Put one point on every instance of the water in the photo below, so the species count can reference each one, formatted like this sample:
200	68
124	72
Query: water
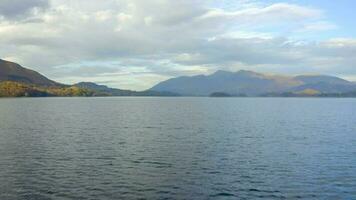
177	148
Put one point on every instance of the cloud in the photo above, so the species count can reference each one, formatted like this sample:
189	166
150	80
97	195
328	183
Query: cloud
16	9
266	14
165	38
318	26
293	56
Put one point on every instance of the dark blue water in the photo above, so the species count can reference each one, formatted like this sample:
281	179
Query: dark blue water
177	148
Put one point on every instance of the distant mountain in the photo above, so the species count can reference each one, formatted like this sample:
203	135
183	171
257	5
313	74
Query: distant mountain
254	84
102	90
10	71
324	84
313	79
94	86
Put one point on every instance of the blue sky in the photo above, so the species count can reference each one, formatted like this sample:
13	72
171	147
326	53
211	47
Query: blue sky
341	13
134	44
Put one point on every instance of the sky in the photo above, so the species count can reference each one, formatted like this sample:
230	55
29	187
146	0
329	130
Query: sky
134	44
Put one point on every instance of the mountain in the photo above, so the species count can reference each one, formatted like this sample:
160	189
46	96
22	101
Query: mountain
241	82
254	84
10	71
324	84
94	86
102	90
17	81
312	79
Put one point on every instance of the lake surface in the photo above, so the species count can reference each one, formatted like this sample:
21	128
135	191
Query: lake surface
177	148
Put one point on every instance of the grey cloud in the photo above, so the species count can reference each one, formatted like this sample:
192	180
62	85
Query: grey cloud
15	9
328	57
82	71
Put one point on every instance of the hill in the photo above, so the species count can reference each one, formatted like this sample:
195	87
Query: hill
17	89
102	90
10	71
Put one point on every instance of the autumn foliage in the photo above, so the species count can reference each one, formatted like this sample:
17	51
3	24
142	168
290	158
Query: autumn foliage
16	89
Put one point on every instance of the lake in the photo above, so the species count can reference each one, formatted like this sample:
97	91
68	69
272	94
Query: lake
177	148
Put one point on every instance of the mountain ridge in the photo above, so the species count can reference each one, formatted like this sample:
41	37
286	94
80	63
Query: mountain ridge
103	90
10	71
253	83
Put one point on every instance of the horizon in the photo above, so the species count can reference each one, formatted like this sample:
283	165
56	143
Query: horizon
135	45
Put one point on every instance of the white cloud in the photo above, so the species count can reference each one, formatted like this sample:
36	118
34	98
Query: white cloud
265	14
103	15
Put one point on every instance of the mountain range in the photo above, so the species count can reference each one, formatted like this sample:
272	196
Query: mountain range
249	83
16	80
